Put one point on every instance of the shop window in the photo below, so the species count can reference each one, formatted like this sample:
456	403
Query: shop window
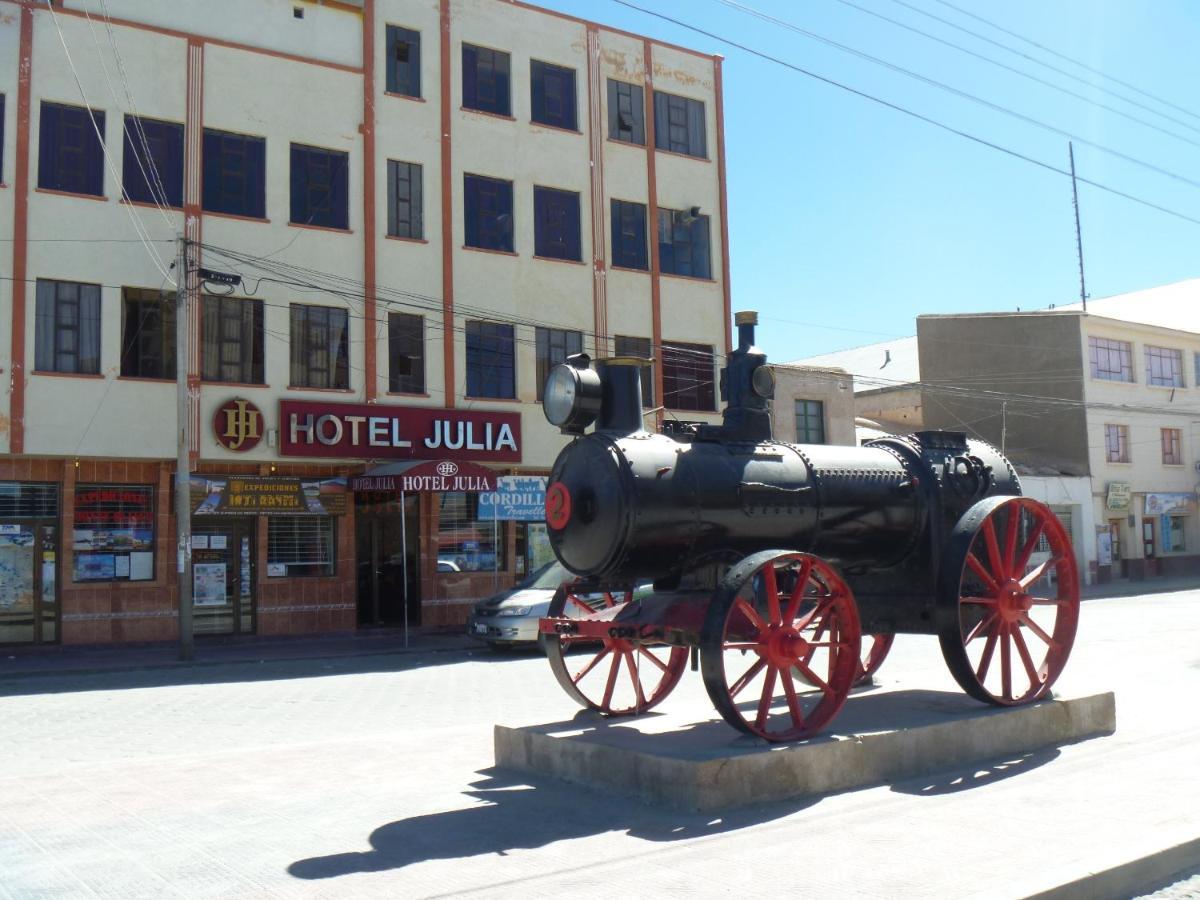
406	353
320	187
1116	443
532	547
626	112
810	422
405	213
466	542
1173	539
642	349
28	500
552	95
1172	446
554	345
403	61
67	329
71	149
114	532
485	79
1110	360
679	124
147	334
629	235
688	376
235	173
1164	366
231	340
556	224
683	246
152	168
320	347
489	212
490	362
300	545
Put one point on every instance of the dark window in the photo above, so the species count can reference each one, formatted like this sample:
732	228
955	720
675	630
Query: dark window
301	545
679	125
490	360
556	224
67	331
404	200
553	346
489	212
687	376
235	173
71	153
641	348
552	95
683	243
231	340
147	334
486	80
626	112
320	347
406	353
403	61
152	169
114	532
810	422
629	235
320	187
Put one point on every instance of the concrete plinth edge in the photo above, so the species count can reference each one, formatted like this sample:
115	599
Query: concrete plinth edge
739	773
1132	877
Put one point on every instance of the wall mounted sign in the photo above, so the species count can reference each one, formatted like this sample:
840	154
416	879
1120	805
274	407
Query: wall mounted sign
238	425
520	498
240	495
361	431
1119	495
1161	504
430	477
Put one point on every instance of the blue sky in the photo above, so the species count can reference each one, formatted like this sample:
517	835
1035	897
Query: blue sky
848	219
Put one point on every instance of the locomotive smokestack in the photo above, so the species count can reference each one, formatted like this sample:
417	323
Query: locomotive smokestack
621	403
745	321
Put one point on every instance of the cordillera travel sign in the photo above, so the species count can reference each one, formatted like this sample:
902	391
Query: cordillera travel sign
354	430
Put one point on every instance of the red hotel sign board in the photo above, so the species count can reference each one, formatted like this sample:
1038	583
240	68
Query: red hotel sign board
357	431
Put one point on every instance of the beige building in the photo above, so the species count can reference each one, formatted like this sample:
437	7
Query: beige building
885	376
398	215
813	405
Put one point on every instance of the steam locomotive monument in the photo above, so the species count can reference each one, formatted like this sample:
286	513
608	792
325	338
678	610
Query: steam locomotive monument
784	570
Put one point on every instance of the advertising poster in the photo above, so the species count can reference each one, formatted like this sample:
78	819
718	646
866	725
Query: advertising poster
208	584
246	495
16	572
95	567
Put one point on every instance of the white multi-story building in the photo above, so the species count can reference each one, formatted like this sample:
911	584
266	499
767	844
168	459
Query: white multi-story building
425	205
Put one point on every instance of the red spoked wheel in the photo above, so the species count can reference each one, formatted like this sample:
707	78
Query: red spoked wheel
1008	600
617	676
875	648
780	646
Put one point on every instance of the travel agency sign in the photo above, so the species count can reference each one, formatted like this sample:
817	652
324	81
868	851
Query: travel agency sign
356	430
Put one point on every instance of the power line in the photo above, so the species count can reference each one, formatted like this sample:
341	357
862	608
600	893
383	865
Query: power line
908	112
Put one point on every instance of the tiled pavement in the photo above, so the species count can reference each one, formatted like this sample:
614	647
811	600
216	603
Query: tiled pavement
369	776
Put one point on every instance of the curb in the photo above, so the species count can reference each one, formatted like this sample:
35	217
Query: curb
1132	878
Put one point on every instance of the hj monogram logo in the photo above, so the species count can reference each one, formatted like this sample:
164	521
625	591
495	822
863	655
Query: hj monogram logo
238	425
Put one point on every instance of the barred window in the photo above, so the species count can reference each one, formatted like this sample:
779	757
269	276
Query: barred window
1172	446
1164	366
1116	443
300	545
1111	360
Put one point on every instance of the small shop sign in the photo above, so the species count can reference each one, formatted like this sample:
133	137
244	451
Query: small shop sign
431	477
238	425
1162	504
240	495
520	498
1119	496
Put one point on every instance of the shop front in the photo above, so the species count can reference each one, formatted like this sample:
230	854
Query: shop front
29	608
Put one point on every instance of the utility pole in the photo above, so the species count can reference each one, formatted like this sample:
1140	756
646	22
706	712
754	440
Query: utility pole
1078	234
1003	425
183	465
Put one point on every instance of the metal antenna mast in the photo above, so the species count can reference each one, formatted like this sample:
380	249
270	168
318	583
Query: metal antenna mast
1078	234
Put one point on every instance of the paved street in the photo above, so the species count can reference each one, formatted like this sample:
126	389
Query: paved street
370	777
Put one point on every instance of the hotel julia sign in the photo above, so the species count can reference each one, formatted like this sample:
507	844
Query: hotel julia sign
354	430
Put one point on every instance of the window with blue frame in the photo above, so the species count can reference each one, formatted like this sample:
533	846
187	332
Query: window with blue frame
489	212
403	61
152	169
486	80
679	125
490	360
552	95
320	187
235	174
70	152
556	224
683	243
629	235
405	218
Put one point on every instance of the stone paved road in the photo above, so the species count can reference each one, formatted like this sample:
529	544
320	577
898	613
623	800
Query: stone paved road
371	778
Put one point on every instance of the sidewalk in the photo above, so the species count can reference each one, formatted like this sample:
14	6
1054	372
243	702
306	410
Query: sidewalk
1126	588
20	662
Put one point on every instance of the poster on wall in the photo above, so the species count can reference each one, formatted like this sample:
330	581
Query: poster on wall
1104	548
208	584
95	567
16	572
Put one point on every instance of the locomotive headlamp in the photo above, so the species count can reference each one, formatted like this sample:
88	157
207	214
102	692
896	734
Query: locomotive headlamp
572	396
763	382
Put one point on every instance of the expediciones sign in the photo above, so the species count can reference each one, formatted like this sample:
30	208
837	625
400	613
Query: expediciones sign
1119	495
519	498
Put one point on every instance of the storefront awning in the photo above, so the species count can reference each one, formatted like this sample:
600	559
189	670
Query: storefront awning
428	476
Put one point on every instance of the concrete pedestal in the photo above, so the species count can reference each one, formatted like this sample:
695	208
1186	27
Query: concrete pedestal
877	738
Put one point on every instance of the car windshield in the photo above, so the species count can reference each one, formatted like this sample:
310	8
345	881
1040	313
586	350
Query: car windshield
548	577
